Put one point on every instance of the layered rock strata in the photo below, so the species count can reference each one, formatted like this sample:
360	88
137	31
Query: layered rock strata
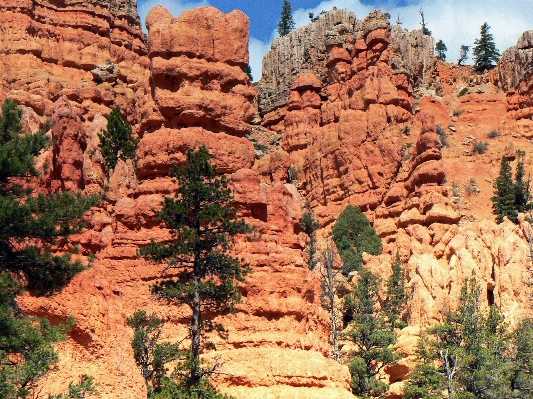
190	90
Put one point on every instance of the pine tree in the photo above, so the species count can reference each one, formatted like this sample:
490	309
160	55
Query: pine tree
286	22
202	221
117	142
503	201
463	54
151	355
441	50
425	30
372	336
396	295
522	188
484	51
248	71
30	224
467	356
309	226
353	235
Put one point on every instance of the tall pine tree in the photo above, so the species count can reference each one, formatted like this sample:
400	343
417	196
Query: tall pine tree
372	336
202	221
30	225
286	22
484	51
441	49
503	201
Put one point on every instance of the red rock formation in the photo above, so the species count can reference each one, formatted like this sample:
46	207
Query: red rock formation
197	95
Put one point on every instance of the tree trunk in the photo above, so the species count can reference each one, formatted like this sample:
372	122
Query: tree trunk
196	331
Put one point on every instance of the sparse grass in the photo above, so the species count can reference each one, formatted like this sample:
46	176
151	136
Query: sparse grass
458	112
493	134
463	92
260	147
472	188
292	174
480	147
443	136
456	190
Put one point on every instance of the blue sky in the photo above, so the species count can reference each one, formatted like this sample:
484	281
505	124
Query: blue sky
456	22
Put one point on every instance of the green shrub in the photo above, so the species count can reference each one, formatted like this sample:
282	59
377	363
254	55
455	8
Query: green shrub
493	134
117	142
353	235
463	92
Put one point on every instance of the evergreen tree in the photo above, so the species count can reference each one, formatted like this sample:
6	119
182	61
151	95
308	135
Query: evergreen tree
202	222
521	187
463	54
503	201
425	30
441	50
151	355
30	224
484	51
248	71
467	357
309	226
286	22
396	295
521	361
353	235
372	336
117	141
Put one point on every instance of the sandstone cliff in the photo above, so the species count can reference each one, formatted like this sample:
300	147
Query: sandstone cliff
340	110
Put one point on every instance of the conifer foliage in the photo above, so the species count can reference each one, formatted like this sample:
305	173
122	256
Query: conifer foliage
117	141
353	235
203	222
473	355
511	197
286	22
26	344
441	49
484	51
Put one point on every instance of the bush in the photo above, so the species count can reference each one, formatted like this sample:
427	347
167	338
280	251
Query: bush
442	136
493	134
117	142
463	92
480	147
354	235
458	112
472	188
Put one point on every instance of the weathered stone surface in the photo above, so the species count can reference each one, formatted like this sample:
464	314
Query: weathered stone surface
515	64
412	53
282	64
106	72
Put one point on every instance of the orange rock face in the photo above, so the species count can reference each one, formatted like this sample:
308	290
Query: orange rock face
190	90
352	134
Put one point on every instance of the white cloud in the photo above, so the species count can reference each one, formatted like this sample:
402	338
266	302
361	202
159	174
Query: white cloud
455	22
257	50
176	7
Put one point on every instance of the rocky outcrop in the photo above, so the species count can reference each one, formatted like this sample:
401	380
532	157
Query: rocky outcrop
412	53
196	94
515	64
514	74
303	50
197	63
346	137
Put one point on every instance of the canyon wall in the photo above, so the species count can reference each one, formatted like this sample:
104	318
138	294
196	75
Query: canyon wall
346	123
